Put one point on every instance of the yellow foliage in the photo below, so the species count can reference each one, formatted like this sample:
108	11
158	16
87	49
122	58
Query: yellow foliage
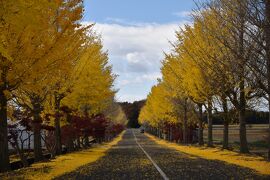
93	81
115	113
253	162
158	108
196	69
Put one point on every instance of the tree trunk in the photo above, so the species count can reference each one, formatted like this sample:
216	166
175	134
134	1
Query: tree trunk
29	142
86	141
22	148
242	66
242	120
4	155
70	145
200	133
210	124
21	154
185	123
226	124
267	39
78	143
171	133
168	134
37	141
57	134
269	129
37	129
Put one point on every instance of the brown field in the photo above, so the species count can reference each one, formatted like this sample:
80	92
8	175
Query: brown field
254	132
256	135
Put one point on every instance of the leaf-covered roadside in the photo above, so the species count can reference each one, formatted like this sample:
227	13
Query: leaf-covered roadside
253	162
62	164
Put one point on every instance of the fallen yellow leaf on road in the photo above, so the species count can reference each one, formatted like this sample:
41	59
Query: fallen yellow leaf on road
62	164
249	161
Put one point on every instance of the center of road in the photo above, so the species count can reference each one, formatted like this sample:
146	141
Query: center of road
149	157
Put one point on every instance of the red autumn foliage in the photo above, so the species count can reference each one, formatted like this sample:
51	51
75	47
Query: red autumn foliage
96	126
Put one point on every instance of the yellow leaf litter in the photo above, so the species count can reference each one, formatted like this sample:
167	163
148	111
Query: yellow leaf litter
249	161
62	164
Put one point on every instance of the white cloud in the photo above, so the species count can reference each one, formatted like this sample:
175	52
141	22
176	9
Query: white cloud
140	79
152	77
183	14
135	51
124	82
129	98
147	40
134	57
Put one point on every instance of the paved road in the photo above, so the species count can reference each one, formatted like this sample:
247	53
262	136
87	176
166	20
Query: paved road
138	157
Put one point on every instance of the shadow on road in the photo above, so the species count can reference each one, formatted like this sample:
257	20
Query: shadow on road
127	161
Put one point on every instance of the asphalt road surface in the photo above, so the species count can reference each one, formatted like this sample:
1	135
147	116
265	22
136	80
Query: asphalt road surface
138	157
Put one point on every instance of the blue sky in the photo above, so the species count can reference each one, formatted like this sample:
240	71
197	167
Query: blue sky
158	11
136	33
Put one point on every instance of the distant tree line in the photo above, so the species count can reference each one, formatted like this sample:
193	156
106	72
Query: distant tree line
132	111
252	117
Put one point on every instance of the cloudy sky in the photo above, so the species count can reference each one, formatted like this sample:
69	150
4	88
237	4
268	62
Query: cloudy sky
136	33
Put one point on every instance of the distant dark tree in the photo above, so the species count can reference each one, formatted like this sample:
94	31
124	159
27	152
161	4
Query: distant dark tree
252	117
132	111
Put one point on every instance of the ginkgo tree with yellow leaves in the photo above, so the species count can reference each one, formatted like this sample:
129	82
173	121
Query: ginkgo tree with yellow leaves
24	48
165	107
212	63
93	81
157	109
67	37
49	60
178	96
193	68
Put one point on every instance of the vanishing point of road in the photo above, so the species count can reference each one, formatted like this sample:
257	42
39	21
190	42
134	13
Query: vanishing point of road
138	157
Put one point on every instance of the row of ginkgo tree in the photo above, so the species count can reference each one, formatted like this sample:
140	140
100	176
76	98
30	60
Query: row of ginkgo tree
221	61
52	70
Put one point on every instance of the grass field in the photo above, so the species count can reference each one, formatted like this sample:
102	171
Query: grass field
257	135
